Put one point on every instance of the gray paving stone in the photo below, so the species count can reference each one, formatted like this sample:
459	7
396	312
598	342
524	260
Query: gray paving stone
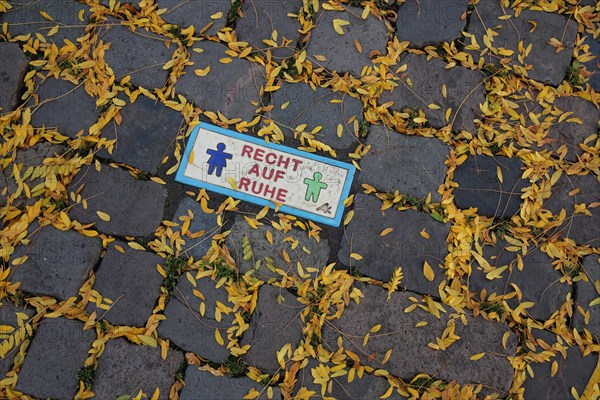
573	371
25	18
13	65
273	325
58	262
538	281
593	66
403	247
135	207
56	354
573	134
125	368
478	185
204	385
228	88
8	318
581	228
261	17
464	88
413	165
411	354
141	54
587	292
58	102
191	331
196	13
32	160
131	281
308	252
548	66
424	22
340	51
308	106
367	387
196	247
145	136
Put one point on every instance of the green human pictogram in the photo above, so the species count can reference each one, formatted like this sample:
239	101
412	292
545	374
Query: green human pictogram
314	187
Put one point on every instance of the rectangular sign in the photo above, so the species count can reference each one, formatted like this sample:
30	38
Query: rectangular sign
249	169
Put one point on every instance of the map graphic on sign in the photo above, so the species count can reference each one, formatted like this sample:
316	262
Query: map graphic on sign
249	169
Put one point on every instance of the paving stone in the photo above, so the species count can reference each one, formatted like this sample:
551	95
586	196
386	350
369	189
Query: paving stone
413	165
141	54
145	136
573	371
538	281
587	292
135	207
58	102
411	354
196	13
424	22
308	252
32	160
593	65
204	385
57	352
403	247
340	51
275	322
8	318
196	247
573	134
362	388
58	262
25	18
131	281
478	185
261	17
308	106
125	368
234	89
464	88
582	228
191	331
547	65
13	65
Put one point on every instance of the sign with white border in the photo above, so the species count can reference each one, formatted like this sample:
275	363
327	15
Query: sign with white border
248	168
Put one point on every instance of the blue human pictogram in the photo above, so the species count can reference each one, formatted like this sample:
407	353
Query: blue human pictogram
218	159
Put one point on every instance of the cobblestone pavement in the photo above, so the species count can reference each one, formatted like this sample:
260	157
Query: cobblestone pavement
467	264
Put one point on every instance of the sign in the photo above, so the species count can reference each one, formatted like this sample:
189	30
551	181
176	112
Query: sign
249	169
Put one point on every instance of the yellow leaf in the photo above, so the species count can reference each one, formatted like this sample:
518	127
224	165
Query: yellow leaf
349	217
386	231
147	340
103	216
554	368
376	328
262	212
477	356
358	46
232	183
356	256
424	234
190	278
219	338
338	23
217	15
135	246
428	272
202	72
